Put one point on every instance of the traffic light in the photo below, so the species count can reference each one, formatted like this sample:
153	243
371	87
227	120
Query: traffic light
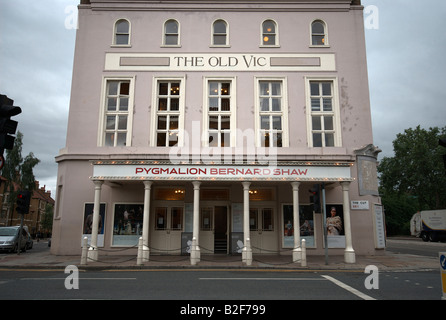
7	126
23	200
315	197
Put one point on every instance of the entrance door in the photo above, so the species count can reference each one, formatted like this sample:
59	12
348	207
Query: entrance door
221	229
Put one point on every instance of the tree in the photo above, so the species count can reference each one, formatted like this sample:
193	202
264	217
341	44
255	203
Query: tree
416	170
17	171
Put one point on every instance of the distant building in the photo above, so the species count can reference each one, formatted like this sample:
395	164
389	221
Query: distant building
213	120
33	220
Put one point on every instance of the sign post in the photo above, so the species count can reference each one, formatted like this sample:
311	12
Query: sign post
443	273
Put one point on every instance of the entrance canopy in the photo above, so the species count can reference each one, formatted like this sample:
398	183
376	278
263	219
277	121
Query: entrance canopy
156	170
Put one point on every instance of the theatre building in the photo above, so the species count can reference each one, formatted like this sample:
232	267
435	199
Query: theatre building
200	127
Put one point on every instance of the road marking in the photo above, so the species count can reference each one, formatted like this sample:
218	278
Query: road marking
267	279
348	288
79	279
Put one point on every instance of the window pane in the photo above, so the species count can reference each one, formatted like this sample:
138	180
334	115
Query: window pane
225	104
328	123
276	89
264	104
318	27
264	122
162	104
111	123
171	27
219	39
317	140
174	104
213	88
329	140
277	123
171	40
213	139
122	26
268	222
173	123
277	136
326	88
317	125
265	139
122	39
225	122
318	40
219	27
225	89
269	39
162	122
163	87
314	87
269	27
264	88
109	139
177	218
123	104
122	123
160	218
113	87
173	139
315	104
111	104
175	89
213	104
253	219
206	219
327	104
276	104
225	139
161	139
122	137
213	122
125	88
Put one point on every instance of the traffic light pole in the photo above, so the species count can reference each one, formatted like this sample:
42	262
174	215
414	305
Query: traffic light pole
324	222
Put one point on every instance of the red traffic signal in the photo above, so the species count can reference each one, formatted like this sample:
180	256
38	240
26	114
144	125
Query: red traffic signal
23	201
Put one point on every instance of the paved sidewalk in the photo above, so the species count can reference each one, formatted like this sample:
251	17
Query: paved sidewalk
384	261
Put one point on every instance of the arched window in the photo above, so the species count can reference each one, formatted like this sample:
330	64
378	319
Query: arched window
122	33
219	33
269	33
319	33
171	33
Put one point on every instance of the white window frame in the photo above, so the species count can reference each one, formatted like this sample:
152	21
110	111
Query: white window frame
164	33
232	113
226	34
335	111
115	33
276	43
156	112
326	42
283	112
104	113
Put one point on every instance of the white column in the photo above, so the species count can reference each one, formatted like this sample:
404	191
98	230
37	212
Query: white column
349	253
195	250
297	251
145	223
247	250
93	250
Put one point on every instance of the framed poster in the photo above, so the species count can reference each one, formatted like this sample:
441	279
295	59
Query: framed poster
306	224
334	223
88	223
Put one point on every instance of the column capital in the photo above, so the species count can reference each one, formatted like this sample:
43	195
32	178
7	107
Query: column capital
98	183
246	184
196	184
295	185
345	185
147	183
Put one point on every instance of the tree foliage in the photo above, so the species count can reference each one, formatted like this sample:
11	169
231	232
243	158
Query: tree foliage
415	177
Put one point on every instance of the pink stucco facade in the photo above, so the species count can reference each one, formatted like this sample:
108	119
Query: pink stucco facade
238	79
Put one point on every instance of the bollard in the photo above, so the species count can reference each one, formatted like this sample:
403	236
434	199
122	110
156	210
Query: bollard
84	251
139	258
303	261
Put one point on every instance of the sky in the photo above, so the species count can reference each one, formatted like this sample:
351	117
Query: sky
405	51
